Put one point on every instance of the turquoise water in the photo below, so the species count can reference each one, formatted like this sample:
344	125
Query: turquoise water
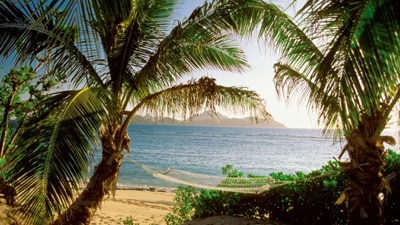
206	150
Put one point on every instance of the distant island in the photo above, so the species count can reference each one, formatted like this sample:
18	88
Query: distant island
207	119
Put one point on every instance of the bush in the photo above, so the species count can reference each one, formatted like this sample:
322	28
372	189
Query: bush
308	199
213	203
182	210
303	199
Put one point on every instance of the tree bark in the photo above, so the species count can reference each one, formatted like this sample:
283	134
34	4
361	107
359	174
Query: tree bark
6	115
82	210
365	206
366	185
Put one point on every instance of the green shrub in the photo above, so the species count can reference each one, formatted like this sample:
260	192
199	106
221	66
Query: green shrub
183	206
308	200
230	172
212	203
303	199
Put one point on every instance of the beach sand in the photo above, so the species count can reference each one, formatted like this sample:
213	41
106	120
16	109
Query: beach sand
150	208
142	207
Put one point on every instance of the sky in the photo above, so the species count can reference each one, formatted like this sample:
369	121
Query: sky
259	76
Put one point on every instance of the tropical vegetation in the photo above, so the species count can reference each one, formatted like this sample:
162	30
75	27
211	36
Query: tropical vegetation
119	58
342	58
20	98
304	198
20	94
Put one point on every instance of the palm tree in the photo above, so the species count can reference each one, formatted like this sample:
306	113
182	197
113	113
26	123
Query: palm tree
342	58
122	58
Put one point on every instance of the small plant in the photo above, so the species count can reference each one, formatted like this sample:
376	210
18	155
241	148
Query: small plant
128	221
183	206
230	172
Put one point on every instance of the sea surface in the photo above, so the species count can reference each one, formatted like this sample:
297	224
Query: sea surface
205	150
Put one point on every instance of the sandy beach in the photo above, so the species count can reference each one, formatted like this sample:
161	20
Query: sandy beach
150	208
143	207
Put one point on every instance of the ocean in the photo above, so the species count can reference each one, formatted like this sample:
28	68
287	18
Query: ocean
205	150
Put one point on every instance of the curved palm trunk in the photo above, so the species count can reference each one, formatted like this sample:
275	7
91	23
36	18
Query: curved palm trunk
366	184
104	179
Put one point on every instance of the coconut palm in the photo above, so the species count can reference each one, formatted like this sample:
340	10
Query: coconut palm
120	58
342	58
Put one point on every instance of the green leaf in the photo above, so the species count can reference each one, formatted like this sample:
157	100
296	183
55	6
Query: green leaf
59	153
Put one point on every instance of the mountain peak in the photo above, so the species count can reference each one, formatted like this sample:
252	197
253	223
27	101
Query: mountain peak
208	118
208	115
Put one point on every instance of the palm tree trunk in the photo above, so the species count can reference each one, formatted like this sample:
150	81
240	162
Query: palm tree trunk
82	210
366	184
364	206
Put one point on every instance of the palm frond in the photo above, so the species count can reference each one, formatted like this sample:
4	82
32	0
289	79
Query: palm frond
39	32
55	161
290	82
186	100
187	50
204	40
153	20
352	60
15	25
362	58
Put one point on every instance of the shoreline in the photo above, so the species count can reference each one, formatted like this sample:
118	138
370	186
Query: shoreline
145	188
